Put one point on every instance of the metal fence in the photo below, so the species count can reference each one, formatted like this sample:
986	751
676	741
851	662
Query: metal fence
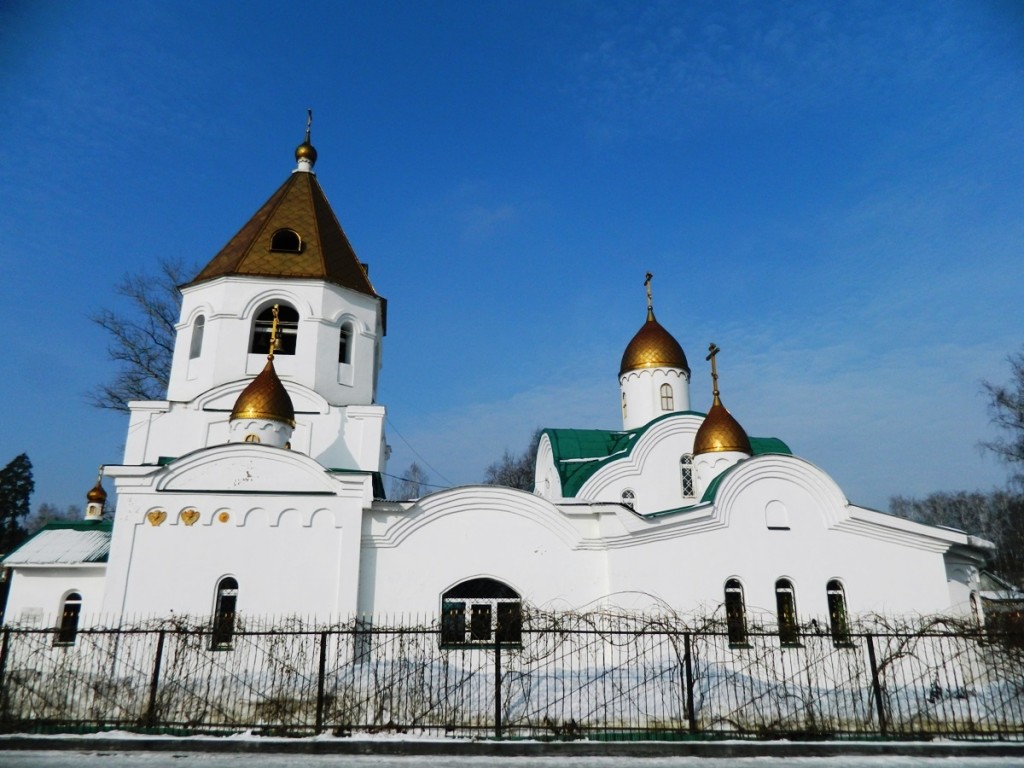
572	676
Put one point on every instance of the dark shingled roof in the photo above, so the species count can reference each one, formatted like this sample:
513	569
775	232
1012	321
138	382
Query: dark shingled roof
300	205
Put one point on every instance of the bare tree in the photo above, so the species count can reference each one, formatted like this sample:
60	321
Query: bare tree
997	516
1006	405
413	483
515	471
141	335
47	513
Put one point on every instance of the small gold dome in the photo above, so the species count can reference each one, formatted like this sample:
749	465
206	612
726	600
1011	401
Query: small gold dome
720	432
307	151
97	495
265	398
653	347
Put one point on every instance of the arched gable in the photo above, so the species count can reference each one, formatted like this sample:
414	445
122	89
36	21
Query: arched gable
673	433
480	501
245	468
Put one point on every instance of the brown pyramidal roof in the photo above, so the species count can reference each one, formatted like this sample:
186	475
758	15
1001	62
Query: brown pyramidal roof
325	252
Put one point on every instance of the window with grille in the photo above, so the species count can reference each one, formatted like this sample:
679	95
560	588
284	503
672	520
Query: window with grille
224	614
70	612
735	613
837	618
785	603
686	474
481	612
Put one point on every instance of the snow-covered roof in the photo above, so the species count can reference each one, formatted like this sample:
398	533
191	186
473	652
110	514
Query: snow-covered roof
65	543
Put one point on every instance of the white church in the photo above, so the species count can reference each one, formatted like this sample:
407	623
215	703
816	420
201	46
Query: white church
255	487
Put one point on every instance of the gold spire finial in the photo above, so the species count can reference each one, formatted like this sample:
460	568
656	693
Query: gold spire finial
305	153
275	341
650	300
713	350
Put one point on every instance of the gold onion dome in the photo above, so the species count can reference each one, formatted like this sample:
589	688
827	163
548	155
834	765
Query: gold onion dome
265	398
306	151
97	495
720	432
653	347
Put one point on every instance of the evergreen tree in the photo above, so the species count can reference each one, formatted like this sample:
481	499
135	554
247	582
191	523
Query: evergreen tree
16	486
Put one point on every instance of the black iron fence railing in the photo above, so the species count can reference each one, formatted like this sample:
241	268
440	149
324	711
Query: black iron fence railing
569	676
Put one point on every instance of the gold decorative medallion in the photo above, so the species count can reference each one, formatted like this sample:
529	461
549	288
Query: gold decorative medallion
156	517
224	516
189	516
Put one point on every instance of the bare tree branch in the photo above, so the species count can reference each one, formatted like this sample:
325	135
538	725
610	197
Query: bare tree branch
142	335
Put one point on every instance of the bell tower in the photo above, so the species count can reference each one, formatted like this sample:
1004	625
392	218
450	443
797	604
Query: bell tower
288	275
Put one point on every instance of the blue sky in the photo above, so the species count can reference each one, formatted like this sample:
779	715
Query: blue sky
830	192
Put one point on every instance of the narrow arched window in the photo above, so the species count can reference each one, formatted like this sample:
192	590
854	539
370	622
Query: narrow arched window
629	499
70	612
490	610
196	345
345	344
224	614
686	474
667	400
287	330
624	412
785	603
735	613
286	240
837	616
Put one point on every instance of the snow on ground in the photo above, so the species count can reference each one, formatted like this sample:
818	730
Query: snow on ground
42	759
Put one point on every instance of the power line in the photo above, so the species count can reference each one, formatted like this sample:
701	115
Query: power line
391	425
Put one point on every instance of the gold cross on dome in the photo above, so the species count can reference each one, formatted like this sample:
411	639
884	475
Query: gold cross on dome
275	340
713	350
647	285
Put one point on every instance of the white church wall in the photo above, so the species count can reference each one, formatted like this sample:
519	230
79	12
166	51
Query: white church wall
290	556
451	536
37	594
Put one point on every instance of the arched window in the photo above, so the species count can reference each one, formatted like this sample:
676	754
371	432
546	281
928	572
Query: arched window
287	330
286	240
686	474
196	345
224	614
837	617
735	613
624	411
667	401
494	612
785	603
345	344
629	499
70	612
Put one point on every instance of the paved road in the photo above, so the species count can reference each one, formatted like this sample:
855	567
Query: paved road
66	759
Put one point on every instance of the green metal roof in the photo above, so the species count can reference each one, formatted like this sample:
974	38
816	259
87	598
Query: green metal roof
579	453
65	542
